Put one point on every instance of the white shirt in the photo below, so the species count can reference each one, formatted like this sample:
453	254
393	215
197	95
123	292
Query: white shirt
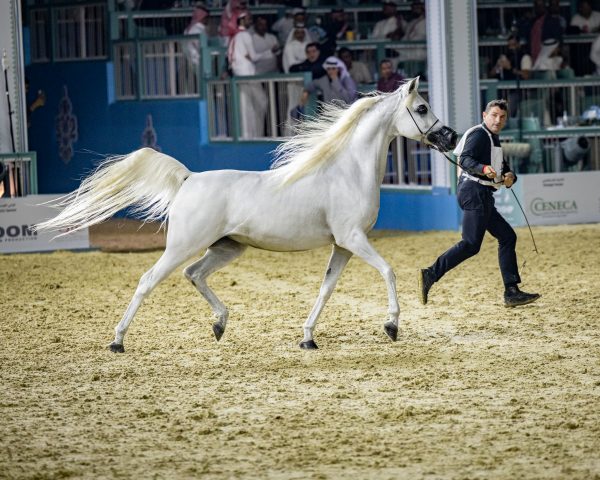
294	51
192	48
588	25
415	30
384	27
263	43
595	54
242	56
283	27
360	73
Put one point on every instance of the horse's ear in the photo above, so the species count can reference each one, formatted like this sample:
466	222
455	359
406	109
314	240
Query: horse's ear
414	85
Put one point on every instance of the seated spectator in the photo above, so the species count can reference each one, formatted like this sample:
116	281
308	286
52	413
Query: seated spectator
392	26
283	26
336	85
389	81
595	54
229	20
586	19
197	26
335	27
514	62
543	27
313	63
357	70
264	41
416	32
294	50
549	58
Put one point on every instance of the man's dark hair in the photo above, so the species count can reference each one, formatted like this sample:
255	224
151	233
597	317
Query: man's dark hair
344	50
313	44
500	103
385	60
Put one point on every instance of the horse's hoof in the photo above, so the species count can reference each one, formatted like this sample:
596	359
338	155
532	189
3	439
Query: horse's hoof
391	330
310	345
116	348
218	330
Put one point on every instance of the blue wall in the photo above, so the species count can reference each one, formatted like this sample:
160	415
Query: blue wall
109	127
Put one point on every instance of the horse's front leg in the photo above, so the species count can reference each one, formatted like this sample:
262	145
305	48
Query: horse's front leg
359	245
338	260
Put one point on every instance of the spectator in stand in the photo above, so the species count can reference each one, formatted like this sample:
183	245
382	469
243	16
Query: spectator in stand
595	54
544	26
586	19
228	27
550	61
549	58
357	70
197	26
265	41
294	50
392	26
335	27
313	63
337	85
554	11
513	62
283	26
389	81
242	59
416	32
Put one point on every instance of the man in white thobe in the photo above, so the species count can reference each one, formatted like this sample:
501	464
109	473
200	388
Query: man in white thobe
253	100
392	26
264	41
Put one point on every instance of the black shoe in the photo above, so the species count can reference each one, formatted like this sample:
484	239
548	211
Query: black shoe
513	297
426	281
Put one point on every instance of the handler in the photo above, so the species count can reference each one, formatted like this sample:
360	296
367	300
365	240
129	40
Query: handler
484	171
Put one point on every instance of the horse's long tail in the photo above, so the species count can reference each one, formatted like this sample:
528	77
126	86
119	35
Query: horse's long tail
145	179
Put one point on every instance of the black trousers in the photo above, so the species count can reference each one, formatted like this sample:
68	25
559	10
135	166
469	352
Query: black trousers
480	214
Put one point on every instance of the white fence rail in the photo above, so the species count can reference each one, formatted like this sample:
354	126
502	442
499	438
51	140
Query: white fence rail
155	69
64	33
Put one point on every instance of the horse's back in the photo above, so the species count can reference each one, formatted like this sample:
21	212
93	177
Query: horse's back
252	208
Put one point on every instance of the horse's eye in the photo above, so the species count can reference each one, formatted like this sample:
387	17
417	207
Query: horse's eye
421	109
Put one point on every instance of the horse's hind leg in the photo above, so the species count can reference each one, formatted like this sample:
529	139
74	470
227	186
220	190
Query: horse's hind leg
337	262
169	260
216	257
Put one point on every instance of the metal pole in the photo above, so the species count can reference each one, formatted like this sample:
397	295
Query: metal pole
10	111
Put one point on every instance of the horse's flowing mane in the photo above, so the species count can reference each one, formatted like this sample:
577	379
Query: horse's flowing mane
318	140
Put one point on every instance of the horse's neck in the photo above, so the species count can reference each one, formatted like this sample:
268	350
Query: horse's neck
369	146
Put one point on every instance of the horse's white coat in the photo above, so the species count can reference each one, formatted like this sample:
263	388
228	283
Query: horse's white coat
325	190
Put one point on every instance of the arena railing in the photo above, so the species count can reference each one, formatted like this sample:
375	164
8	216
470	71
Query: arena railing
163	68
254	108
69	32
21	174
547	99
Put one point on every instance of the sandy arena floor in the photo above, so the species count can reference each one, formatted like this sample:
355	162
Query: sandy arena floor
470	390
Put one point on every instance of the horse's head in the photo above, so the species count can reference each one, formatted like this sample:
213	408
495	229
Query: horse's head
415	120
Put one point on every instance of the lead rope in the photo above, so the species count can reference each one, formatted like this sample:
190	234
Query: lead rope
455	163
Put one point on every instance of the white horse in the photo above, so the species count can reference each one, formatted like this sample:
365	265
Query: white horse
323	189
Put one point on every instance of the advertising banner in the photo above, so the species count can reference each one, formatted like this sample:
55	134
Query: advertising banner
18	215
561	198
552	199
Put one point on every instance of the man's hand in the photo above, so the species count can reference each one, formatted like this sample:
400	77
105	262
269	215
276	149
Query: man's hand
489	172
509	179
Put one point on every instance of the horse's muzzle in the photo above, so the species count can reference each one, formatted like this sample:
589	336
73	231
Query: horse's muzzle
443	139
